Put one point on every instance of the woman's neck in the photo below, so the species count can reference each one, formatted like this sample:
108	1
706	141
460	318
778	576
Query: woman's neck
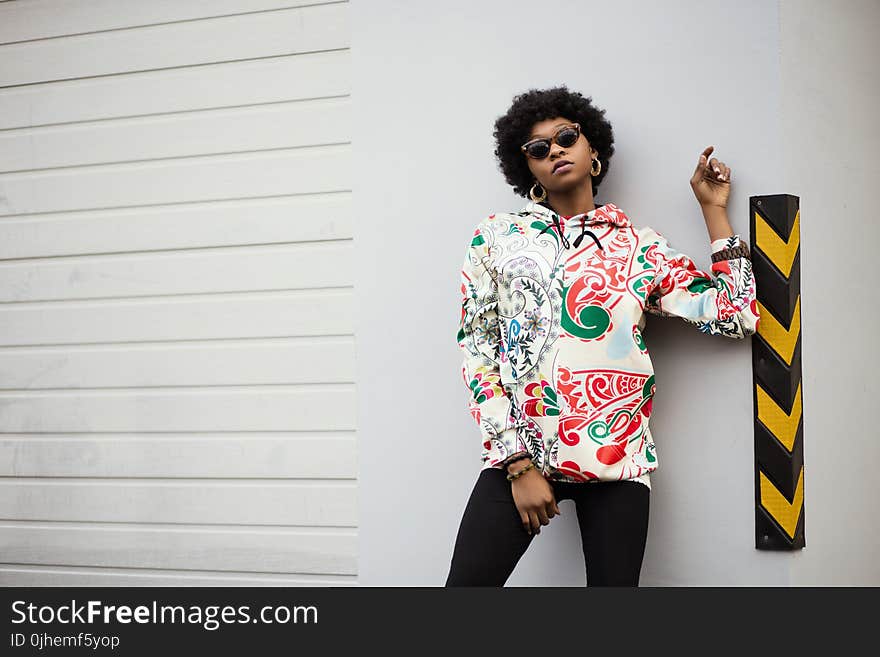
577	201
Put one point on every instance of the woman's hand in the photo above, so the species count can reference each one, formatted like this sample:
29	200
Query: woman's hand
534	500
711	181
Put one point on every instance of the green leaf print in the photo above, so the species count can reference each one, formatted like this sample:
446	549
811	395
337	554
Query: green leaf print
699	284
594	321
551	403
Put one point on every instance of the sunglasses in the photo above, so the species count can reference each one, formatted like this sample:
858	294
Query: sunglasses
540	148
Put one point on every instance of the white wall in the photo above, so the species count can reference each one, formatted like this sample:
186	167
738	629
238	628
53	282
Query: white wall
831	84
674	77
177	397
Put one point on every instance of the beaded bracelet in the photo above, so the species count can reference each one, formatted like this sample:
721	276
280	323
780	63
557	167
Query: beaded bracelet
511	477
519	457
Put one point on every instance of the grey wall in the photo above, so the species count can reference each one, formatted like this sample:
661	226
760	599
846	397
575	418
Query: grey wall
674	78
831	99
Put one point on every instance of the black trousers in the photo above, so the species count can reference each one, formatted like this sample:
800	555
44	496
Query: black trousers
612	517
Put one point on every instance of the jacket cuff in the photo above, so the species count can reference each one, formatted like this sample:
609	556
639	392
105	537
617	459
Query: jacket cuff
723	242
503	464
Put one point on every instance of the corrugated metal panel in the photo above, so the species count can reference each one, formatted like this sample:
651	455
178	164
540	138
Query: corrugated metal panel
177	394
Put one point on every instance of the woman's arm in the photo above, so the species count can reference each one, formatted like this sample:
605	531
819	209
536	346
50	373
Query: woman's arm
720	301
479	339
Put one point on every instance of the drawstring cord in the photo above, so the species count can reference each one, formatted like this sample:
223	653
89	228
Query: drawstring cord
579	238
558	230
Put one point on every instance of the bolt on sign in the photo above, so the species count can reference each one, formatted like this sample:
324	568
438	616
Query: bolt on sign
776	373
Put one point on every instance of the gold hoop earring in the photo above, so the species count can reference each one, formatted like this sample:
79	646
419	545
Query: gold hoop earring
538	199
592	168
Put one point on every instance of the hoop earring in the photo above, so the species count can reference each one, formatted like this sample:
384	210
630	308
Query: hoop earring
592	171
538	199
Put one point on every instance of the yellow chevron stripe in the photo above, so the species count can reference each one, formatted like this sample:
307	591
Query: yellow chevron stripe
780	424
781	339
777	506
780	252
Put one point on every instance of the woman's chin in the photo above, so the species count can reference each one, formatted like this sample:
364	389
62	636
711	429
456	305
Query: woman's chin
565	186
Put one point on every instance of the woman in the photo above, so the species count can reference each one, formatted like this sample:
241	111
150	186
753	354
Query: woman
560	381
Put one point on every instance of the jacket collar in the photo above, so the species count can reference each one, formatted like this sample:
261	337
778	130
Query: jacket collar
608	213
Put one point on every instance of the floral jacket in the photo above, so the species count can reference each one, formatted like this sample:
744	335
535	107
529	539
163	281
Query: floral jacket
550	327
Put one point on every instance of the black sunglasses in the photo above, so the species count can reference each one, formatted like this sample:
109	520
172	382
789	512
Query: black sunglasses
540	148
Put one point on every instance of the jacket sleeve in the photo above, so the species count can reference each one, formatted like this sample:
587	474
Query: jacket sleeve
721	301
481	343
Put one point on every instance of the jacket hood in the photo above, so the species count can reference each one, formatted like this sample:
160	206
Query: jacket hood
604	214
607	213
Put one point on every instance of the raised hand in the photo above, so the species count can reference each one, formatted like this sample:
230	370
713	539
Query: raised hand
711	180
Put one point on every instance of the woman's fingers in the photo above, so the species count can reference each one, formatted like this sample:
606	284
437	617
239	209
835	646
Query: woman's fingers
532	520
536	518
717	170
702	165
703	159
543	517
535	522
526	522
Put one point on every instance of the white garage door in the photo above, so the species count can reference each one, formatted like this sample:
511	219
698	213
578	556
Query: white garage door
177	396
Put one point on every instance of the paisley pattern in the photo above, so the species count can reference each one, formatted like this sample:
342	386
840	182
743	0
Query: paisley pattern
554	359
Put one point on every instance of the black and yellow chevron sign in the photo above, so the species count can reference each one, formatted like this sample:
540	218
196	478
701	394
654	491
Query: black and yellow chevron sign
776	371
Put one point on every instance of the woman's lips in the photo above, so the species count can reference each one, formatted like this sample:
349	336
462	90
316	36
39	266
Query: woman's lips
563	169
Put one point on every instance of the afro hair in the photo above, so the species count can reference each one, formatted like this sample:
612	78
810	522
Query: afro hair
513	129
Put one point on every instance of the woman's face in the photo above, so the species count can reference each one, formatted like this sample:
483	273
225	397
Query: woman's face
580	155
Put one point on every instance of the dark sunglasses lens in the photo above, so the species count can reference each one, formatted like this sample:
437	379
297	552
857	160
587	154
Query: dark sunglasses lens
567	137
539	149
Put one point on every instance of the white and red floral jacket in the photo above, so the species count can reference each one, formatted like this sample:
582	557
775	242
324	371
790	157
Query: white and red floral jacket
551	318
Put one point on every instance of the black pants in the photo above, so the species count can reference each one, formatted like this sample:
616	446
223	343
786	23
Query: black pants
612	516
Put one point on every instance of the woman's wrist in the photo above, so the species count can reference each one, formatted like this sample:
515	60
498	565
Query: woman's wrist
516	473
517	465
717	222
